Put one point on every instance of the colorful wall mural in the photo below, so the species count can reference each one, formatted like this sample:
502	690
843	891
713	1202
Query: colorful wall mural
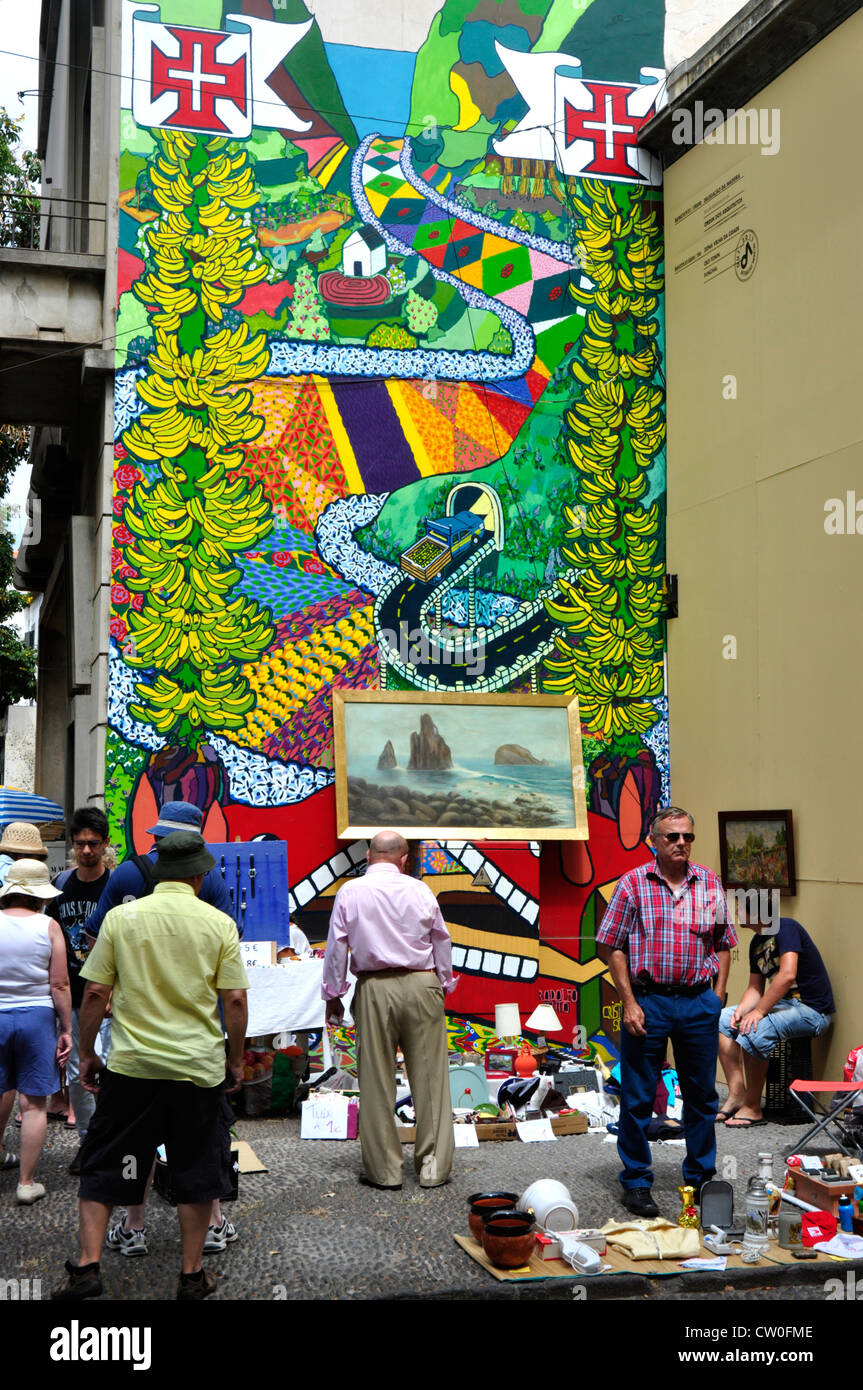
389	413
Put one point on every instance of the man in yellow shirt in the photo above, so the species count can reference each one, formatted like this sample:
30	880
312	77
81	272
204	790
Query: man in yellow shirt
167	958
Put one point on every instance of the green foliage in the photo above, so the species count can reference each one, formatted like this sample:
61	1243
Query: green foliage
501	342
397	278
20	172
126	763
17	662
387	335
13	450
308	320
420	314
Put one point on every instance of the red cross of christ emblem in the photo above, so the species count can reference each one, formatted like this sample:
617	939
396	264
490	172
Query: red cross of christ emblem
198	79
608	126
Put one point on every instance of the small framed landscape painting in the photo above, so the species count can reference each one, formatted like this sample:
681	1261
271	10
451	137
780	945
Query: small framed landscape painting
756	850
458	767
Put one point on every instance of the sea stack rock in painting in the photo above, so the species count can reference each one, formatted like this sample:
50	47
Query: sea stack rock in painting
428	750
388	756
511	754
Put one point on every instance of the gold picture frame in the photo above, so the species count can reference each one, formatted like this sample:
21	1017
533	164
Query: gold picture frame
545	805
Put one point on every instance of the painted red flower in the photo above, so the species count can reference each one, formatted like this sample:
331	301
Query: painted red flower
119	593
313	565
118	506
116	559
282	558
137	602
122	535
120	451
118	629
127	475
126	572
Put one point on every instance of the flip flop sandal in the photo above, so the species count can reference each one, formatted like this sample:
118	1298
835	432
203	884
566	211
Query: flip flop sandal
722	1116
9	1161
746	1124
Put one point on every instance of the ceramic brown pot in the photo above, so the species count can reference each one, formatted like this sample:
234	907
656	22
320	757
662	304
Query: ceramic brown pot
508	1238
483	1204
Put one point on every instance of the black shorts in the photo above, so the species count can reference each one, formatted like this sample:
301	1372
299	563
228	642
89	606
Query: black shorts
133	1116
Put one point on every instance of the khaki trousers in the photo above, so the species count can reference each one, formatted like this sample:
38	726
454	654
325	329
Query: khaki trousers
406	1008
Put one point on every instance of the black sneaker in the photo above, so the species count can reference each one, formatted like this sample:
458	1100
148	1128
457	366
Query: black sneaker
84	1281
639	1201
197	1286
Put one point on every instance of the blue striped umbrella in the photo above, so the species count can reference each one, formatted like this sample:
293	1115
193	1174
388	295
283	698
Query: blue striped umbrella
17	805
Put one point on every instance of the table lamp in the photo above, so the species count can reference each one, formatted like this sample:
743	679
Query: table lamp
544	1020
507	1021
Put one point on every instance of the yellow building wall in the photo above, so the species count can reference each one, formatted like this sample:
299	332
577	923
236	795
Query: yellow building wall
765	426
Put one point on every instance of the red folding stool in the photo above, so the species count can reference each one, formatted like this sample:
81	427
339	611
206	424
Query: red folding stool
846	1093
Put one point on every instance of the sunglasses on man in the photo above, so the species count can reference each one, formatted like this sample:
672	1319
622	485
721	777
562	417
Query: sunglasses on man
674	835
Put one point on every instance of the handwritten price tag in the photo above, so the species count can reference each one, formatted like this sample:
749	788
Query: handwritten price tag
465	1137
325	1118
535	1131
256	953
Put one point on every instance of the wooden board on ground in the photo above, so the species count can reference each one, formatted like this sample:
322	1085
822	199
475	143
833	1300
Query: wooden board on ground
620	1264
247	1158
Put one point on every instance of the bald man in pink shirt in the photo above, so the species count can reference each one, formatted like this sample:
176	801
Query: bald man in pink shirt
401	955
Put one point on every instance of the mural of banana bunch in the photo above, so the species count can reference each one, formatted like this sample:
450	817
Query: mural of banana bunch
191	520
611	644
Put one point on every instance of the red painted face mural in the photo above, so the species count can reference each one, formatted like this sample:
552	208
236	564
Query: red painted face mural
389	384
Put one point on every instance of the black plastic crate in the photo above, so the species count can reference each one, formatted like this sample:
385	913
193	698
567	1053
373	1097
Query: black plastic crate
789	1061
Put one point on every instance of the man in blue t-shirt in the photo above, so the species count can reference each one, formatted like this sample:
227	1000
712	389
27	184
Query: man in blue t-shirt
788	996
129	881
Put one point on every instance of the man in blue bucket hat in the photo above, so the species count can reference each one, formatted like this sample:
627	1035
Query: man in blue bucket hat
134	878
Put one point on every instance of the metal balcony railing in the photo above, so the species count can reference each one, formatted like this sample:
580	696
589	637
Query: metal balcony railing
51	222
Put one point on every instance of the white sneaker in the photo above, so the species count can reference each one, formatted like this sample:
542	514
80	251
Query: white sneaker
127	1242
219	1236
30	1192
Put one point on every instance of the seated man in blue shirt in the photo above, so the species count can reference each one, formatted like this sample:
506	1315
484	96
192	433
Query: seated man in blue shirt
788	996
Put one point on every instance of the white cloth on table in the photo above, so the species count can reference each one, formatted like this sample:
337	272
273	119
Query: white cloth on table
288	997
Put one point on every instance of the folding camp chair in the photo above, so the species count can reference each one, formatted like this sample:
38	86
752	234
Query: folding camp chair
846	1092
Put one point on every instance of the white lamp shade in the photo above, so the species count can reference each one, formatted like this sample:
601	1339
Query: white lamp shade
544	1020
507	1020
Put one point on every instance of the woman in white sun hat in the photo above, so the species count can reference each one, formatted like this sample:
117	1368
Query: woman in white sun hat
20	840
34	987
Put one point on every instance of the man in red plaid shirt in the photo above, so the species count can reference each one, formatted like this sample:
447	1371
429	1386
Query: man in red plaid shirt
668	944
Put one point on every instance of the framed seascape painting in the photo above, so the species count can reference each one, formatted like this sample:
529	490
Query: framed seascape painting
458	767
756	850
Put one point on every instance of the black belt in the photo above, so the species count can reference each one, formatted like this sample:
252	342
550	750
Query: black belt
651	987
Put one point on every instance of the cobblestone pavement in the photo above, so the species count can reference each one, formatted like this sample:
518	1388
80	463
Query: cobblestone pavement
309	1231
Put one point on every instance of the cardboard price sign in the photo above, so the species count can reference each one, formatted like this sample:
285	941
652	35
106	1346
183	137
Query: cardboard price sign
329	1116
258	952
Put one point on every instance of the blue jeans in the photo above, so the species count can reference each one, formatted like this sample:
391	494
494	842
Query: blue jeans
689	1022
84	1102
790	1018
